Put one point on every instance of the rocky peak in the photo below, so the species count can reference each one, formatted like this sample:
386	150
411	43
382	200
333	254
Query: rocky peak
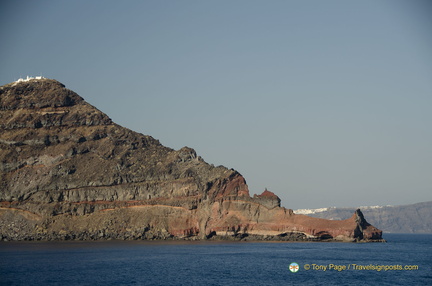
268	194
37	93
268	199
38	103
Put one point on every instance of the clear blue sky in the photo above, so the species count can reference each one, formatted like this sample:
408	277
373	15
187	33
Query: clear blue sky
325	103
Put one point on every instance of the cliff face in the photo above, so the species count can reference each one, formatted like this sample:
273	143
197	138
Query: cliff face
68	172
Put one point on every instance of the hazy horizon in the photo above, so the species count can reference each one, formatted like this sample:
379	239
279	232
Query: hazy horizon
324	103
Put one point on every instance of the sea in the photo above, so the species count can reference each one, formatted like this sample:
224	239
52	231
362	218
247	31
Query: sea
405	259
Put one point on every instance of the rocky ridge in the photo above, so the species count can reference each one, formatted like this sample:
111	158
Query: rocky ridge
68	172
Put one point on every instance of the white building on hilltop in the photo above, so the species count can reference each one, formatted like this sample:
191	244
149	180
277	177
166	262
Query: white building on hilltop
29	78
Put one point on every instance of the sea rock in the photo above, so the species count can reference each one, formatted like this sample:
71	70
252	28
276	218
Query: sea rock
69	172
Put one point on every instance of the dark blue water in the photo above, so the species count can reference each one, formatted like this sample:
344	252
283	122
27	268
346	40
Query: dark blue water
215	263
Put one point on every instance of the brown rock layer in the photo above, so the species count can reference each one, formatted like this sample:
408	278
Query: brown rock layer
68	172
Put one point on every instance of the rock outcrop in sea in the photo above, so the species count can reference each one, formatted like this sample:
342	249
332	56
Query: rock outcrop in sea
67	171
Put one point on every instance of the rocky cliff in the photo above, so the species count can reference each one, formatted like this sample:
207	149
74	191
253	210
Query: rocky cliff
69	172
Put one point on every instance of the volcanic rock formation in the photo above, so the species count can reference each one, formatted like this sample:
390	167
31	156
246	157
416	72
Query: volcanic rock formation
69	172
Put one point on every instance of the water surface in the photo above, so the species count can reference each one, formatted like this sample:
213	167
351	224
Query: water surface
214	263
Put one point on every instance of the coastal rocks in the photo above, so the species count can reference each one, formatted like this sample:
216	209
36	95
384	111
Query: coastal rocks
68	172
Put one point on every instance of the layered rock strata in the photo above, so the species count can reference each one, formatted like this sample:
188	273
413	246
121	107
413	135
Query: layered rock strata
69	172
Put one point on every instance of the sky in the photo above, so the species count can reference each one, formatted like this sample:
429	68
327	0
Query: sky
325	103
